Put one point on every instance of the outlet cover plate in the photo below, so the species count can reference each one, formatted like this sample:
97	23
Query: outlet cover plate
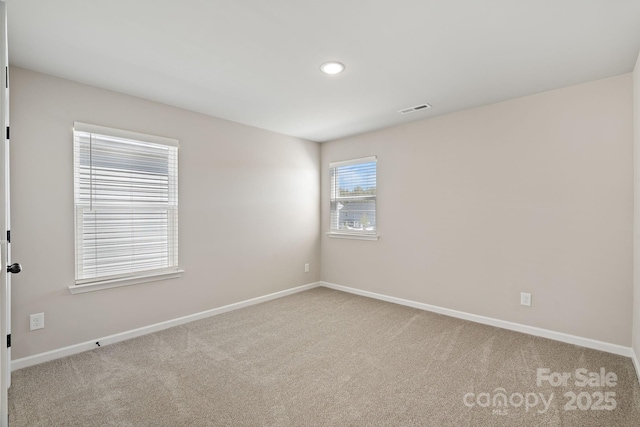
525	299
36	321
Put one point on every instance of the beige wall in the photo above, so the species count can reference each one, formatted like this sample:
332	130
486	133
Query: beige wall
636	217
533	194
249	213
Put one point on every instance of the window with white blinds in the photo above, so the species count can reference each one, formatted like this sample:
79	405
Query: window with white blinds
126	204
353	197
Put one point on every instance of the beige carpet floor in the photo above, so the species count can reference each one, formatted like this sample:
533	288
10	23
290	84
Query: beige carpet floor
327	358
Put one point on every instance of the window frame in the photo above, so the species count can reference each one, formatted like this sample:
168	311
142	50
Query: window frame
351	234
140	276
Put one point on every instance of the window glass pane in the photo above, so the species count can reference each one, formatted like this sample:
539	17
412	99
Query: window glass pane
353	197
359	215
126	206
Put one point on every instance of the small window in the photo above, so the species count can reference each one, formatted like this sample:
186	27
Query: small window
353	198
126	204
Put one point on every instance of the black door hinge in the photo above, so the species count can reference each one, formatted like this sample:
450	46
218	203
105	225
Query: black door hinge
9	341
8	236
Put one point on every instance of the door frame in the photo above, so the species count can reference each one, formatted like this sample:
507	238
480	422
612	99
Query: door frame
5	250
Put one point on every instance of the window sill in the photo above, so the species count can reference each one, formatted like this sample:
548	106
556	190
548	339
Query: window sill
355	236
124	281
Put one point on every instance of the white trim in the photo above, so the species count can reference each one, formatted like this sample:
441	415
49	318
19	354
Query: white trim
531	330
337	235
122	336
353	162
111	339
636	363
124	281
125	134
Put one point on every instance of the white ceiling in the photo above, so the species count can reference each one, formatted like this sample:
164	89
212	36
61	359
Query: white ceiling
257	62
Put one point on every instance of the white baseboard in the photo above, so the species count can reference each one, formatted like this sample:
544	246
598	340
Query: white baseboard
636	363
531	330
111	339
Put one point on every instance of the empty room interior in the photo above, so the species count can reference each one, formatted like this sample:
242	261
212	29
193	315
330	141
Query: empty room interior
297	213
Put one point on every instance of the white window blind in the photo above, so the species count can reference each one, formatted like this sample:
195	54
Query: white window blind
353	196
126	204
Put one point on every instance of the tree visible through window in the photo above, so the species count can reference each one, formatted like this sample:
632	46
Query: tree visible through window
353	196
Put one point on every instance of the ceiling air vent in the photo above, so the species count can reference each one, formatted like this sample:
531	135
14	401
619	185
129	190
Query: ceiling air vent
414	109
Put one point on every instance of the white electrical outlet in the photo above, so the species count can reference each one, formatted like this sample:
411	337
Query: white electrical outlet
306	268
36	321
525	299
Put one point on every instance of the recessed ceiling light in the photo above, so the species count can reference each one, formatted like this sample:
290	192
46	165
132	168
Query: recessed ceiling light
332	67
